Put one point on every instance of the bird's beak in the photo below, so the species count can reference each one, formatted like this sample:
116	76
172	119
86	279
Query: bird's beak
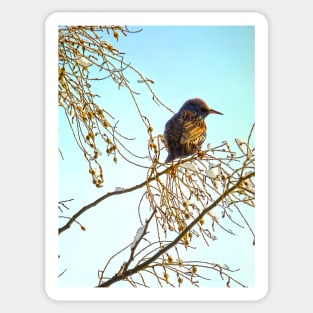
211	111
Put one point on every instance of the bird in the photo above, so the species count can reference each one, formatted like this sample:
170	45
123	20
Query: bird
185	132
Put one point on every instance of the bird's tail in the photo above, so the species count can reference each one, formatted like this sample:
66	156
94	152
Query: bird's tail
171	156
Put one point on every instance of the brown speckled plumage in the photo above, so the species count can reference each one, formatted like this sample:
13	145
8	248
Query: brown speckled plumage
185	132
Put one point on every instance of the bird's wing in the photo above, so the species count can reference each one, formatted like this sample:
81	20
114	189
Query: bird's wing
192	130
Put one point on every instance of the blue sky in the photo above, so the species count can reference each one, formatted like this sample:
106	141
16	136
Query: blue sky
214	63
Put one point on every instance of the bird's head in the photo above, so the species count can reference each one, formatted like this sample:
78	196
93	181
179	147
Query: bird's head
199	107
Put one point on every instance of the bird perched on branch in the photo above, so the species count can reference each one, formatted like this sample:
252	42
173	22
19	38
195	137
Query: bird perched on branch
185	132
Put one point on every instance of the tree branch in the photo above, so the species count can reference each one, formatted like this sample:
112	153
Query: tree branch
123	275
107	195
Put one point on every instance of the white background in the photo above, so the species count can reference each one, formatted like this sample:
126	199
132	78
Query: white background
22	155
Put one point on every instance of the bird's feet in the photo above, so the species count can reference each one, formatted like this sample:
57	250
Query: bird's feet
201	154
